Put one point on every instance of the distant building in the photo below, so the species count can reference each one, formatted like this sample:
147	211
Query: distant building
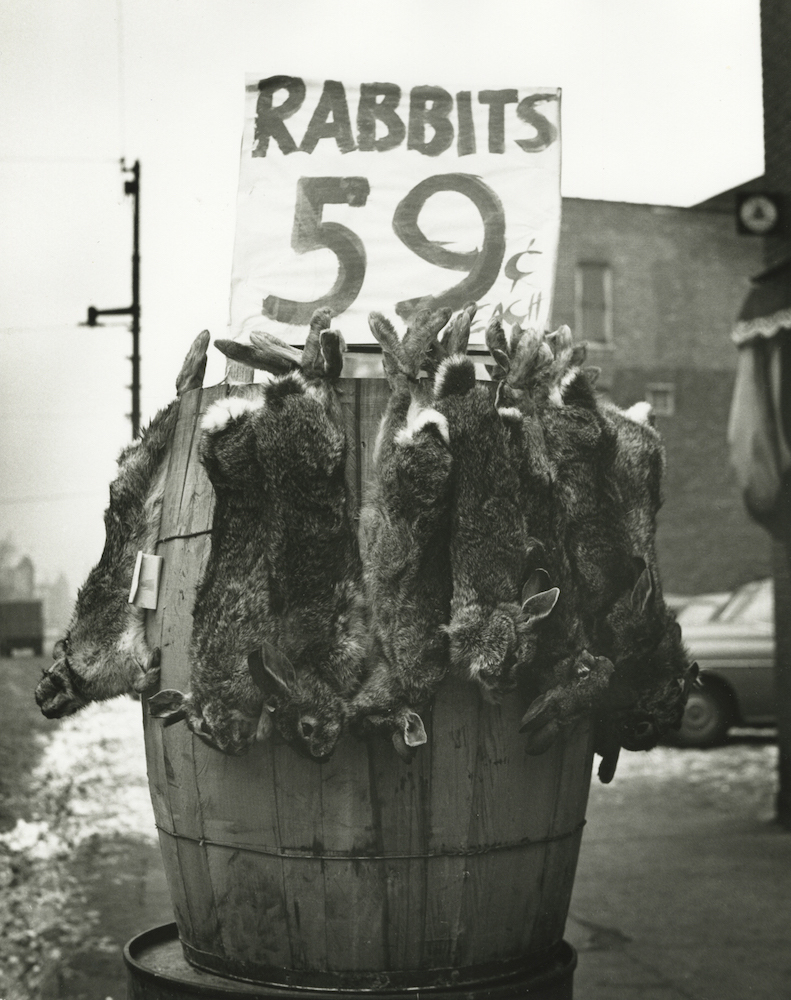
654	291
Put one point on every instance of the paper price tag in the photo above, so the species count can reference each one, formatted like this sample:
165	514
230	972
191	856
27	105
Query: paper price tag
144	591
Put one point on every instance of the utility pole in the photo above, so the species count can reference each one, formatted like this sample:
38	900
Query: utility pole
131	187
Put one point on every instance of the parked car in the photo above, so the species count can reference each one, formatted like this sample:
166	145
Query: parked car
732	638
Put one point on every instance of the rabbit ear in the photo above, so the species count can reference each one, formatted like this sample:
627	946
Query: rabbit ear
578	355
538	598
643	590
498	345
453	339
311	352
411	736
384	331
536	582
540	605
527	357
271	670
456	335
421	336
414	730
253	356
560	340
460	335
169	705
194	367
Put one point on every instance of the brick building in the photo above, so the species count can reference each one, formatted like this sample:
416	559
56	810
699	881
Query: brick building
655	291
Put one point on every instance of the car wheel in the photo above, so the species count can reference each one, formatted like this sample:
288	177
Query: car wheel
707	717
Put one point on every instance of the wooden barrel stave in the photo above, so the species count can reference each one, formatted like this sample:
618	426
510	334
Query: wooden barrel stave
280	867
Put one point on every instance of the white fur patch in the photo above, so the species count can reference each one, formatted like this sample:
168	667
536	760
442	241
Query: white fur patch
567	379
509	413
555	396
640	413
417	422
220	413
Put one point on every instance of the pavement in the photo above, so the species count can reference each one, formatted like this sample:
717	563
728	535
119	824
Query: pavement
683	887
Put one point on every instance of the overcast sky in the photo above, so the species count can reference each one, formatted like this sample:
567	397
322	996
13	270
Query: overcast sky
661	104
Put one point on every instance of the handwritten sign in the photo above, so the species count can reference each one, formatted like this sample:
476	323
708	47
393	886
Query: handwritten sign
383	196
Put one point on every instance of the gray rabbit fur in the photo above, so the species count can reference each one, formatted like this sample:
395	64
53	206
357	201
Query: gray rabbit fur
608	471
279	623
501	591
405	535
104	652
528	373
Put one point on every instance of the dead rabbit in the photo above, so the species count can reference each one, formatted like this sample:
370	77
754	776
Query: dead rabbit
279	625
104	652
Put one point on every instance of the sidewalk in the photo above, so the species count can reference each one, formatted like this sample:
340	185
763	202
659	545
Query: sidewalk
683	889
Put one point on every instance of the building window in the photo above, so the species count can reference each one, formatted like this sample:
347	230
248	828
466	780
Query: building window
662	397
593	302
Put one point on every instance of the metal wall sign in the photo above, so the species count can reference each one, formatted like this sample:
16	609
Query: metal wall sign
379	196
760	213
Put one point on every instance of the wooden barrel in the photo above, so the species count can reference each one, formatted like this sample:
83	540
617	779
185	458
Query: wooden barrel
363	872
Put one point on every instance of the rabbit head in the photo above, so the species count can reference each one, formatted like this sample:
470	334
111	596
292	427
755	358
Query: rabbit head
381	706
306	711
523	365
229	730
565	704
104	652
493	646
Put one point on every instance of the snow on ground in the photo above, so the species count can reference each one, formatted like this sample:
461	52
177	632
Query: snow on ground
90	783
739	777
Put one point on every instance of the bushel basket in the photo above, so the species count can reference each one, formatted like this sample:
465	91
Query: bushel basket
363	872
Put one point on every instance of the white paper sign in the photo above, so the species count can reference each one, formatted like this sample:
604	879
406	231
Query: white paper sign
144	591
375	196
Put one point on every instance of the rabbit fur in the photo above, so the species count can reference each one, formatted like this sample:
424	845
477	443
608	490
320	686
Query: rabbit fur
498	512
608	472
104	652
279	624
405	539
526	372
